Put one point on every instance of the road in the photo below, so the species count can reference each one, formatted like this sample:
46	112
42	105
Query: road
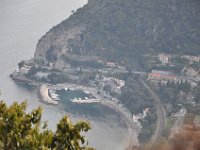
161	116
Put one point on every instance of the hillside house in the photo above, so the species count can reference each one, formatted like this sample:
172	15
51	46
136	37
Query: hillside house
110	64
192	58
165	58
162	76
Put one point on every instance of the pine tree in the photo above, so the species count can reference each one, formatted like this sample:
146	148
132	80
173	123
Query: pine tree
20	130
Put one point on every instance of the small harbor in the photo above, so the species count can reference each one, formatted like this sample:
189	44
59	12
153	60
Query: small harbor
53	95
49	94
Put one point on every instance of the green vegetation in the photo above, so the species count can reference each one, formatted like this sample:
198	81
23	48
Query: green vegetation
85	62
20	130
169	124
196	93
32	72
197	118
173	93
124	31
136	98
51	56
148	127
57	77
21	64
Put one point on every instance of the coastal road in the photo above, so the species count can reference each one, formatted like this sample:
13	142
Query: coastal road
161	116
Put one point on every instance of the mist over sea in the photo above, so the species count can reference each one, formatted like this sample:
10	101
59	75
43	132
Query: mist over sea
23	22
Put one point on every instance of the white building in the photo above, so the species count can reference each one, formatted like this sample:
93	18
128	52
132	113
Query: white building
192	58
165	58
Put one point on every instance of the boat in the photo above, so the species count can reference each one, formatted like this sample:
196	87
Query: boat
86	101
54	96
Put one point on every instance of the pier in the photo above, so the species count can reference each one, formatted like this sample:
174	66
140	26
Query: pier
86	101
44	93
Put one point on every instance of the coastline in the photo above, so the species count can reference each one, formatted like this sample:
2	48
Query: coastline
44	95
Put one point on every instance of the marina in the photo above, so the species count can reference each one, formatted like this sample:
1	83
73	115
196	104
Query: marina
53	95
50	96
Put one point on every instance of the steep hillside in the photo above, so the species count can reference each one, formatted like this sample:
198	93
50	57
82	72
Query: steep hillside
123	30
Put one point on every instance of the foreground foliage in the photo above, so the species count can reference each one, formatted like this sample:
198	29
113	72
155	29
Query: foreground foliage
20	130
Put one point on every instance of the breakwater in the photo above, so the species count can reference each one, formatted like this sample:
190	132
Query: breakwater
44	94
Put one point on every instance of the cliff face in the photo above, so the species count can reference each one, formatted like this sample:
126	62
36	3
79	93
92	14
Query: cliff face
55	44
113	29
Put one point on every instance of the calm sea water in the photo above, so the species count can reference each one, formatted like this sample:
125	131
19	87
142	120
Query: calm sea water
23	22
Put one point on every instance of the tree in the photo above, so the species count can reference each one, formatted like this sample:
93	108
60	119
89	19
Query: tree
21	64
32	71
20	130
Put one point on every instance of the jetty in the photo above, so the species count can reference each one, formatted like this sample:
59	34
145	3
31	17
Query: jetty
86	101
44	94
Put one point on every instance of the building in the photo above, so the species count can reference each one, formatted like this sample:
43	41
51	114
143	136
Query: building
192	58
110	64
161	72
165	58
119	83
24	70
41	75
138	117
188	71
162	76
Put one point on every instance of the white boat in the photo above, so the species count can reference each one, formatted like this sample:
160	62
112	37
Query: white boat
86	101
86	92
51	91
54	96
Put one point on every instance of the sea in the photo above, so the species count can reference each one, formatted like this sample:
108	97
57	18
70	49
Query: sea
23	22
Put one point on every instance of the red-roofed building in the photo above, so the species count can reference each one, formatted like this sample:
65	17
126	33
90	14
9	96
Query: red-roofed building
162	76
110	64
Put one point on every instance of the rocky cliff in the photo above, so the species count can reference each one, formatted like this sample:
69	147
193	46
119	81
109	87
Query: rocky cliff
118	29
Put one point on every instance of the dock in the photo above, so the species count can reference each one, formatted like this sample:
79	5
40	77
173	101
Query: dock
44	93
86	101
